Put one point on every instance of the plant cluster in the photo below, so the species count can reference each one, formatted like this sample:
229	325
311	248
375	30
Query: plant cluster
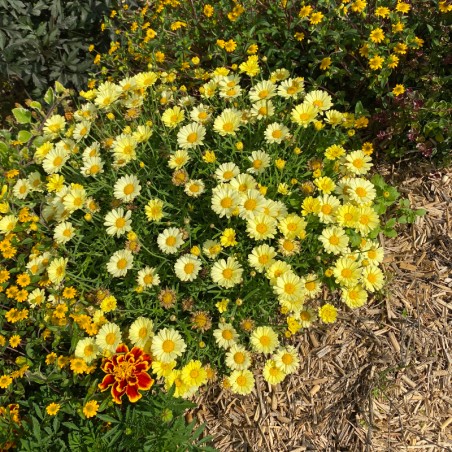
362	51
155	240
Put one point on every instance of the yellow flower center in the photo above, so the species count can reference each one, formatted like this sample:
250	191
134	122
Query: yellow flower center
228	174
289	288
194	373
239	357
346	273
263	94
326	209
192	137
189	268
57	161
148	279
361	192
171	240
261	228
287	358
228	127
265	341
263	259
257	163
241	380
120	223
310	285
143	332
168	346
288	245
227	335
227	273
110	338
250	204
122	263
226	202
124	370
334	240
277	134
128	189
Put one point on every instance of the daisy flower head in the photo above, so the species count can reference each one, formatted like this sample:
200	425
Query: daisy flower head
261	227
272	373
276	133
251	203
347	215
148	277
141	332
354	297
372	278
211	249
54	160
260	160
264	339
361	191
170	240
194	374
167	345
320	100
306	317
109	337
194	188
328	207
303	114
200	113
242	382
226	172
367	220
179	159
154	209
228	122
225	335
191	135
243	182
173	116
87	349
92	166
118	222
120	262
57	270
127	188
238	357
292	226
312	285
287	359
291	88
261	257
328	313
334	240
347	271
90	408
21	188
357	162
224	200
64	232
262	90
263	109
54	125
373	252
226	273
187	267
288	286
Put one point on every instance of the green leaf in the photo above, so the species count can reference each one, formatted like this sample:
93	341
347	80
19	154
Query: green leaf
49	96
23	136
391	223
70	425
107	418
3	147
403	219
36	105
22	115
391	233
420	212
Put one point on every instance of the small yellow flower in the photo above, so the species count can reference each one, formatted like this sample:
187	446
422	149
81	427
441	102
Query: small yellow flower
328	313
53	409
325	63
398	90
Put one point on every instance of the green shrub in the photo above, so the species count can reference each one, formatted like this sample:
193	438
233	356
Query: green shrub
43	41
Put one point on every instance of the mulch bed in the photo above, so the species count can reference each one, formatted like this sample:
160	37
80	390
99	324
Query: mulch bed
380	378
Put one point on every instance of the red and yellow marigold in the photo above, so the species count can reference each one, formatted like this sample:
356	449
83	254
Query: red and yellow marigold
127	373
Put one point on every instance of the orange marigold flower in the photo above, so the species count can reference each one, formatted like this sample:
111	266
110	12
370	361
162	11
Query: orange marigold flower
127	373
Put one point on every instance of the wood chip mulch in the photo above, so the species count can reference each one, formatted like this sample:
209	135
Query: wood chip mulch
380	378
